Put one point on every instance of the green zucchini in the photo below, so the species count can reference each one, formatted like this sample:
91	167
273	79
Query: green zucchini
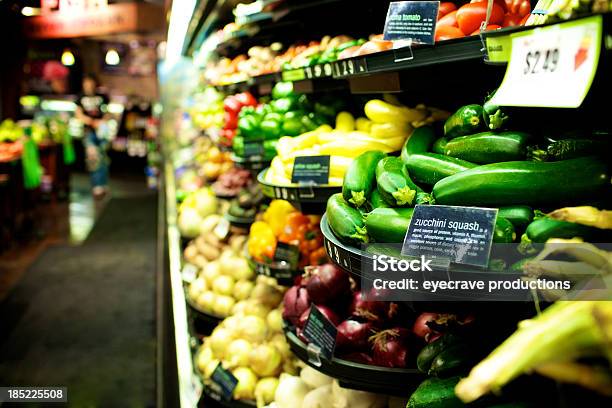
429	168
431	350
569	149
420	141
467	120
495	117
452	360
439	145
543	229
360	177
436	393
376	200
421	197
391	183
524	182
504	231
519	215
388	225
345	221
489	147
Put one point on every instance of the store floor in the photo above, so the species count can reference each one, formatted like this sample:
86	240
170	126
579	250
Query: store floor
82	315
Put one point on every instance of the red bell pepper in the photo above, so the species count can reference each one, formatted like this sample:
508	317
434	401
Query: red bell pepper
231	104
230	120
246	99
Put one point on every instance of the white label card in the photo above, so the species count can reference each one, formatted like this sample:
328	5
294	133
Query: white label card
552	66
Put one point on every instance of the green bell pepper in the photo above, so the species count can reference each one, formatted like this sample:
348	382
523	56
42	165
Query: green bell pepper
284	105
294	114
275	116
293	127
282	90
248	126
271	129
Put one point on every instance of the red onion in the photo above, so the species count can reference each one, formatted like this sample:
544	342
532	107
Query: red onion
353	335
295	302
361	358
376	311
326	283
325	311
391	348
421	328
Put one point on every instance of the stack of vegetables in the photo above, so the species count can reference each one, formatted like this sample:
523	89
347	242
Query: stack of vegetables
230	183
385	128
288	114
194	209
380	333
475	163
225	277
248	202
281	222
457	22
250	343
232	105
321	52
10	147
207	111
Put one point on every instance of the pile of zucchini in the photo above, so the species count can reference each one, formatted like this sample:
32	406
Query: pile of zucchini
475	163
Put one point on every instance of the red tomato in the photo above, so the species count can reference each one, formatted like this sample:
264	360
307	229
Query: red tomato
471	15
524	20
489	28
524	8
502	3
449	20
445	8
511	20
448	33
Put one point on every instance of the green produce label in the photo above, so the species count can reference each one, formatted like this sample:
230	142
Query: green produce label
412	21
463	235
321	332
498	48
311	170
223	382
294	75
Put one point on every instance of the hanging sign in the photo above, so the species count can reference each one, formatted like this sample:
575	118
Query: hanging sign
552	66
412	21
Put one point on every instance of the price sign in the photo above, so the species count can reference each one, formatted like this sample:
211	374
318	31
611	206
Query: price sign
223	382
310	170
462	235
254	148
412	20
287	253
552	66
320	331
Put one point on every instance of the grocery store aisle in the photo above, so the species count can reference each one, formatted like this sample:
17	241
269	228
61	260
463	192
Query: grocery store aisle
83	316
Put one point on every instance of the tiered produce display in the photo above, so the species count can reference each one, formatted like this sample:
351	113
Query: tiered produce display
279	263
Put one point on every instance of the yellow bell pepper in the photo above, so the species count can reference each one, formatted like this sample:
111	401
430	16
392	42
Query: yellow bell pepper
345	122
276	215
262	242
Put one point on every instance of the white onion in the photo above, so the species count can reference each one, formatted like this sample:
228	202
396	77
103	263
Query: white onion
265	389
290	392
206	301
240	307
314	378
279	341
223	285
242	289
240	268
197	286
275	320
255	308
247	380
219	340
204	357
211	270
223	305
253	329
265	360
267	294
238	353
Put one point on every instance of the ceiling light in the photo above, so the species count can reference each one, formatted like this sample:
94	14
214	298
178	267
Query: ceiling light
112	57
67	58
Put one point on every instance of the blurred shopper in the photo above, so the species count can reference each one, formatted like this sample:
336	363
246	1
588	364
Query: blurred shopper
91	110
